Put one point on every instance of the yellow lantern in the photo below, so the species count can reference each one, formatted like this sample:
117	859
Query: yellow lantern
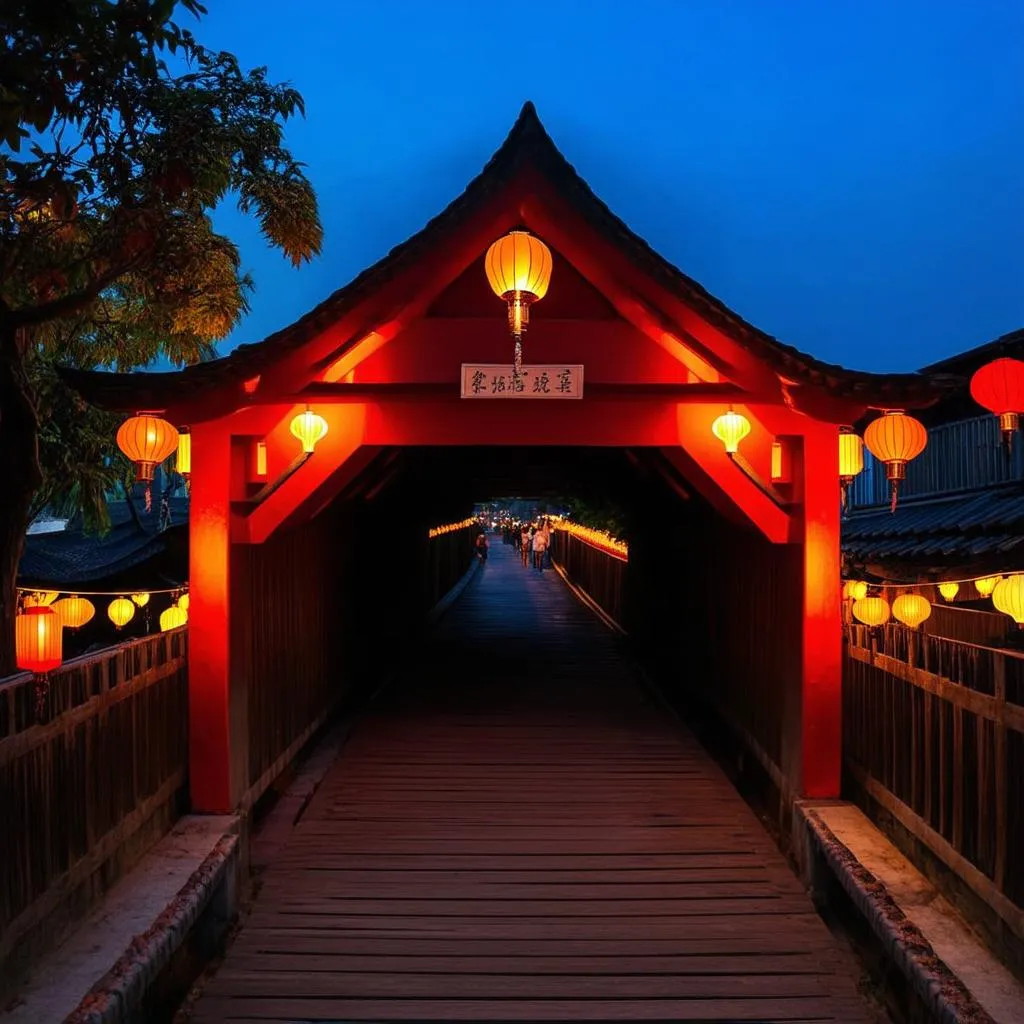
855	589
895	438
38	640
1008	597
987	584
518	269
121	611
183	601
730	428
851	460
74	612
172	618
141	599
911	609
949	590
183	462
309	428
872	611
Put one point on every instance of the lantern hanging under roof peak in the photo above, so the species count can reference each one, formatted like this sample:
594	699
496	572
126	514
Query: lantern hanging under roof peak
730	428
895	438
518	267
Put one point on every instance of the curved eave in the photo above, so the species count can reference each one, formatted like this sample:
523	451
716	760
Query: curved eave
221	381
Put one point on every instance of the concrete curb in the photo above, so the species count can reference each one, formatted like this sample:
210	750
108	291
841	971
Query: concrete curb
119	994
942	992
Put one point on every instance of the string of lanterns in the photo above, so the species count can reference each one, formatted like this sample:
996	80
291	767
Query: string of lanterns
42	619
462	524
1006	592
600	539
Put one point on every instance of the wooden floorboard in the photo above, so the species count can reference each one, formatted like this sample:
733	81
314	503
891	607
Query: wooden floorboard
517	832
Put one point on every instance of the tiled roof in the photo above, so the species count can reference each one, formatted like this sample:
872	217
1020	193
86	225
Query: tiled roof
74	558
975	527
527	147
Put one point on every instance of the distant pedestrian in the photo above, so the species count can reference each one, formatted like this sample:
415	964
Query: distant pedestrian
524	544
540	546
481	546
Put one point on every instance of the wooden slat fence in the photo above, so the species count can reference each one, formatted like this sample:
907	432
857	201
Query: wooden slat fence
934	734
599	573
86	787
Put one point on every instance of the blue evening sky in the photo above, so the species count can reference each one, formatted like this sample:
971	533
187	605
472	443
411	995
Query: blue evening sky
846	174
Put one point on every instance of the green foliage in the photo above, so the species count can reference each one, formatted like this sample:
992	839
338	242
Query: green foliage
120	134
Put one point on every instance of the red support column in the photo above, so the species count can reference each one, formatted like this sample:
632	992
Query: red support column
209	661
821	711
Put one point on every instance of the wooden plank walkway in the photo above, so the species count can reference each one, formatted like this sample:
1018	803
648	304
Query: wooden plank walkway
516	832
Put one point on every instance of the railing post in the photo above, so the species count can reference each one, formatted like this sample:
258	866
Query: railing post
999	680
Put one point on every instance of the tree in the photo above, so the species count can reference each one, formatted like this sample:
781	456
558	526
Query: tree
119	134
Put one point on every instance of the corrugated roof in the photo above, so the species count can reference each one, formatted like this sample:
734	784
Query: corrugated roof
958	528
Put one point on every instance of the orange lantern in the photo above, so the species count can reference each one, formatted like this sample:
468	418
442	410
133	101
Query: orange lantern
172	618
38	640
911	609
74	612
949	590
895	438
518	268
730	428
872	611
147	440
999	387
309	428
120	611
851	460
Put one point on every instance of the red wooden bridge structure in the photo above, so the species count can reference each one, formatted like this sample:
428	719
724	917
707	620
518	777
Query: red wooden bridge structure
485	809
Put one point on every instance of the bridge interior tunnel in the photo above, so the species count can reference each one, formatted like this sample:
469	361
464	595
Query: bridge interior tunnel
711	607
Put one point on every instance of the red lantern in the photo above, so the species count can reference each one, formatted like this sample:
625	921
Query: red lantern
895	438
999	387
38	640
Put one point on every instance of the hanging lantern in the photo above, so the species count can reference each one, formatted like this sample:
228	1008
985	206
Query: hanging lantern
141	599
855	589
39	598
999	387
949	590
309	428
851	460
895	438
183	602
147	440
1008	597
260	464
986	584
120	611
518	268
183	461
730	428
872	611
172	618
911	609
38	640
74	612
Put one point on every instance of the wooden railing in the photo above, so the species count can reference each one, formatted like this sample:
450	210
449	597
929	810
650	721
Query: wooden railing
934	735
87	781
449	556
600	574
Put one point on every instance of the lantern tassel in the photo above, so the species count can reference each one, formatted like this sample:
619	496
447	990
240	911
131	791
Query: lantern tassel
42	697
518	358
895	495
149	496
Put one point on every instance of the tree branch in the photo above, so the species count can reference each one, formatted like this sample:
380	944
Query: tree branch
57	308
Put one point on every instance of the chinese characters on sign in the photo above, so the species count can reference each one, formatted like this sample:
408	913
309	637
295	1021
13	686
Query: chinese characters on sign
490	380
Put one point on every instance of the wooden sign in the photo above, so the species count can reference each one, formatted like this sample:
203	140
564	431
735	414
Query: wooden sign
493	380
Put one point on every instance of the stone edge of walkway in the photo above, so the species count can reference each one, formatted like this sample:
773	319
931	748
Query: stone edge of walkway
946	997
121	991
